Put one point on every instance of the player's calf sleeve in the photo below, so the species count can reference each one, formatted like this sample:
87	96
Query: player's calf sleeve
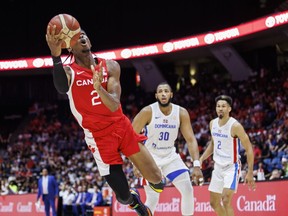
158	187
152	198
118	182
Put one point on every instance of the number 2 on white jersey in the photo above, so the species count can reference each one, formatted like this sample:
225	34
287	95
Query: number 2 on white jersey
219	144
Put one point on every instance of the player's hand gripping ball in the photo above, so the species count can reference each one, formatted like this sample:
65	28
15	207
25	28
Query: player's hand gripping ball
71	28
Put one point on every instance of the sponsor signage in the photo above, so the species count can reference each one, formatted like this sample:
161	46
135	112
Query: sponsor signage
248	28
269	199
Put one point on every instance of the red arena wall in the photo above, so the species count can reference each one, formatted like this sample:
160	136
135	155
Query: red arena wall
270	198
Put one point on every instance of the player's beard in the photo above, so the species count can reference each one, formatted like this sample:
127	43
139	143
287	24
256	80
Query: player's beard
164	104
86	50
220	116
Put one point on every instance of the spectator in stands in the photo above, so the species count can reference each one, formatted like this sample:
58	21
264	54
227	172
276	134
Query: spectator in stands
260	172
81	200
77	200
242	176
4	186
257	154
48	189
12	185
265	151
276	174
97	108
284	162
107	194
227	133
68	198
97	198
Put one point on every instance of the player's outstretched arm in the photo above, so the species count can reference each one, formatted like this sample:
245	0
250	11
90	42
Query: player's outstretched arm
60	78
188	133
239	131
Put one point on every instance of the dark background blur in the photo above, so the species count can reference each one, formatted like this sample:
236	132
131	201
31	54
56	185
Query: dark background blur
114	23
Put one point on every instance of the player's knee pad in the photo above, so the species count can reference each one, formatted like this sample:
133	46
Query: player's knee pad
183	184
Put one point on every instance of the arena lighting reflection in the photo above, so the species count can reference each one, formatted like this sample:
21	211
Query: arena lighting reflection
265	23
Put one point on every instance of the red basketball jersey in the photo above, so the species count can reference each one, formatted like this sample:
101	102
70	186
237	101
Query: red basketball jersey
86	104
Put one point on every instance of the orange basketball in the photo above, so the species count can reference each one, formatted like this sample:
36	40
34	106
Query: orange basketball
71	28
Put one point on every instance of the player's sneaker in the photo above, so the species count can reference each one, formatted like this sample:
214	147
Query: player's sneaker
140	208
158	187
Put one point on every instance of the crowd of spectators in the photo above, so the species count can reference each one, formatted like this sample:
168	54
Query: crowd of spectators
53	139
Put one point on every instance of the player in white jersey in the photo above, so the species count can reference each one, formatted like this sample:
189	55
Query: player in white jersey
161	122
227	135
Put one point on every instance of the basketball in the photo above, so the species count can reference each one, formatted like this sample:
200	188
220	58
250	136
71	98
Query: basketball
71	28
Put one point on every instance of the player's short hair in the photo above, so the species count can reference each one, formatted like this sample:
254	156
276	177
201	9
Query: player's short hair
164	83
227	98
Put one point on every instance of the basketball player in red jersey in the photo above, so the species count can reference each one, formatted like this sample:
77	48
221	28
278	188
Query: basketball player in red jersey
94	90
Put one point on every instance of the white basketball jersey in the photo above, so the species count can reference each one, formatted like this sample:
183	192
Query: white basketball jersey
226	147
162	132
